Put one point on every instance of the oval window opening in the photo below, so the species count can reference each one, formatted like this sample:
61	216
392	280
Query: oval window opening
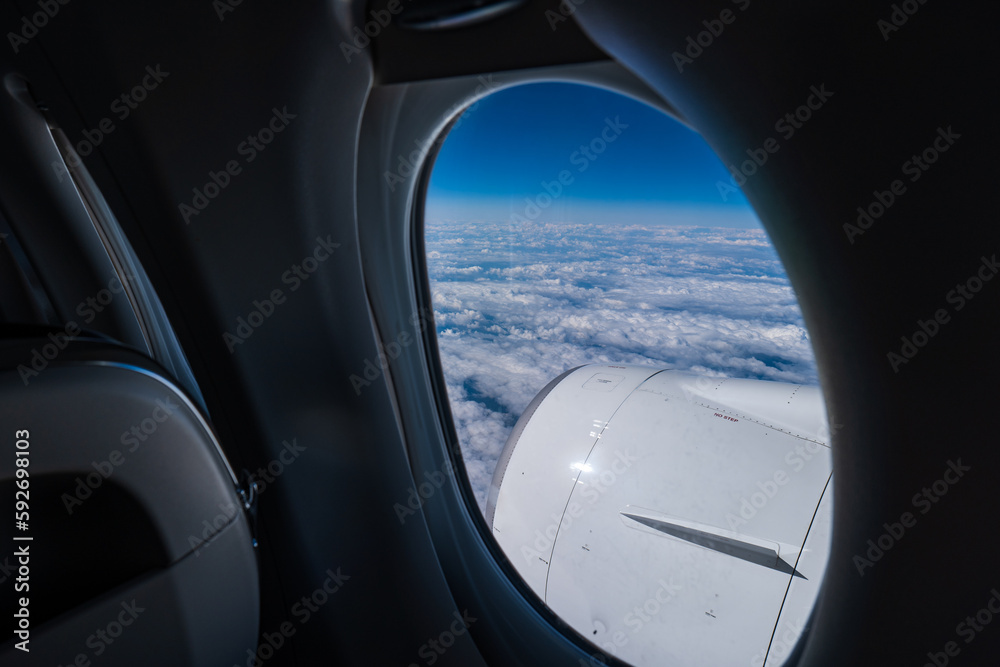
629	376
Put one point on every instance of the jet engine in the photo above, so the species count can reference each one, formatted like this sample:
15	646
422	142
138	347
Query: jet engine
670	518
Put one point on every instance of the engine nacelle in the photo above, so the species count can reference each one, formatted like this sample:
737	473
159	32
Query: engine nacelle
670	518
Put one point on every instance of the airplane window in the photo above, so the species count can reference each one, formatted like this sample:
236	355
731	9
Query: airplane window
629	377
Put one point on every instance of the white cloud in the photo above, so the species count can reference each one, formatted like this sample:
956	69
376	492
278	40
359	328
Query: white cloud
516	305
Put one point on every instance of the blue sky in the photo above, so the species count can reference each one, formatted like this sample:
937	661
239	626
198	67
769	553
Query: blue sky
621	161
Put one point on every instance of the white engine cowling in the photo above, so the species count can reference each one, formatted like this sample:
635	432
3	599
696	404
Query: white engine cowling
670	518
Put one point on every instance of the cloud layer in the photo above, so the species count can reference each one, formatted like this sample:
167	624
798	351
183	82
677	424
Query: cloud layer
516	304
